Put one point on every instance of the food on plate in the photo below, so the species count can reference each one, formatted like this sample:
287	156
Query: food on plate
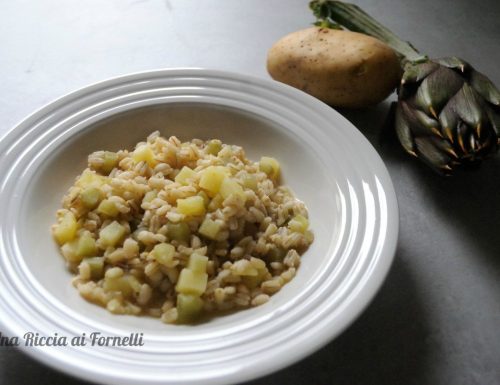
178	230
341	68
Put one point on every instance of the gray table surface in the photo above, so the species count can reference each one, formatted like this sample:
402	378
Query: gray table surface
436	319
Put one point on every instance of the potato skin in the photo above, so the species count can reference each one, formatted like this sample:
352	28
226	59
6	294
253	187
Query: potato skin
341	68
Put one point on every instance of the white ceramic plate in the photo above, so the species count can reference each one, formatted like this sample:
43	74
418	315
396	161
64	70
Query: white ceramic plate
326	161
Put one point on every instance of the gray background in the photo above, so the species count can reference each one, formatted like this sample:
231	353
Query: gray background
436	319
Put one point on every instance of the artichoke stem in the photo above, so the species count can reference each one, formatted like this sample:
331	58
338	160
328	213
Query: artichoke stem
355	19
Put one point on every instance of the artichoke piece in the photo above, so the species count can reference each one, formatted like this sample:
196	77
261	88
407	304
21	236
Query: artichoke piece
112	234
110	161
209	228
178	231
189	308
96	265
128	285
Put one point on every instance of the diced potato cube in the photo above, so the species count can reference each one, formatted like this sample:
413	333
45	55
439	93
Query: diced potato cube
112	234
86	246
128	285
185	175
250	182
229	187
215	203
212	177
144	153
91	179
164	254
110	162
191	283
68	250
214	146
108	208
198	263
65	231
91	196
191	206
96	266
298	224
178	231
270	166
189	308
245	268
209	228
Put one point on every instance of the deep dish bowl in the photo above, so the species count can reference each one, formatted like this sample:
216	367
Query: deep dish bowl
325	160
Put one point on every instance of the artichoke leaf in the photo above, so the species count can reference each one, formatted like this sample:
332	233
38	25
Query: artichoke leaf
436	89
419	122
430	152
455	63
448	120
494	116
467	105
485	87
403	130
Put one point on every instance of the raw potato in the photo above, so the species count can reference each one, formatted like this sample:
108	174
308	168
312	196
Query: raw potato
341	68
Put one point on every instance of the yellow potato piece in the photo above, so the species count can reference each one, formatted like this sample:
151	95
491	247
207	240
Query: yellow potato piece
191	283
191	206
229	187
270	166
185	175
212	177
198	263
91	179
144	153
65	231
164	254
298	224
108	208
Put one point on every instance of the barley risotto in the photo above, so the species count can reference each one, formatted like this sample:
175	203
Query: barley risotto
180	230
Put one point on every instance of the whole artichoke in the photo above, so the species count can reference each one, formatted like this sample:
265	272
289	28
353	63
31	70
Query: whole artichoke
447	114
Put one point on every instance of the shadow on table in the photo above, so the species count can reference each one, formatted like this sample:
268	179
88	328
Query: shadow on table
385	346
468	200
18	368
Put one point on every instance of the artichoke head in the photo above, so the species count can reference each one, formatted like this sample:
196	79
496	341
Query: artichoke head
448	114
